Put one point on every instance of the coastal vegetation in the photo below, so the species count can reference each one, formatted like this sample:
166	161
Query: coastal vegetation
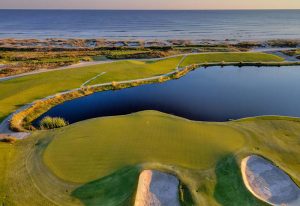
17	62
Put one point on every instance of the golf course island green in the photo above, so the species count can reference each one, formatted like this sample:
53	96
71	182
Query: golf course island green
99	161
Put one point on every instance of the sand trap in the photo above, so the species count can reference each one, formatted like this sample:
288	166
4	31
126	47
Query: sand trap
157	189
269	183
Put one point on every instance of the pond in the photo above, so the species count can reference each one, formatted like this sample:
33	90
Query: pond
211	94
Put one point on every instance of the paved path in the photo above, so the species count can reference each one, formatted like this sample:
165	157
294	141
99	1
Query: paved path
91	79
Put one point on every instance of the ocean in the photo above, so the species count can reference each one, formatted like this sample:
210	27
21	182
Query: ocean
160	25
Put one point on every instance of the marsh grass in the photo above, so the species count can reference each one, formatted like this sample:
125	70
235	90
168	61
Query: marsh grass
52	122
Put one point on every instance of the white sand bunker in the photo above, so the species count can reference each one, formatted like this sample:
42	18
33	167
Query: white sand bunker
269	183
157	189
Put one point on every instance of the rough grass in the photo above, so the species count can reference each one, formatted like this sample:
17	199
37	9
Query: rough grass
230	57
95	153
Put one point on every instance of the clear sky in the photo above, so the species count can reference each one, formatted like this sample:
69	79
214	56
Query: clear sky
151	4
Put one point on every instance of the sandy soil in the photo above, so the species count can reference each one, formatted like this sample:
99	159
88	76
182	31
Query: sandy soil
269	183
157	189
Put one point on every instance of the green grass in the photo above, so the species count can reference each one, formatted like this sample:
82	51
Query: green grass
95	161
7	153
146	143
230	57
115	189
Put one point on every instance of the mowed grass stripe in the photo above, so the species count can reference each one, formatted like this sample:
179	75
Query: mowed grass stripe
230	57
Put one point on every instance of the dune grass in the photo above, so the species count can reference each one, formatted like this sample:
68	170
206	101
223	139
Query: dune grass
230	57
52	123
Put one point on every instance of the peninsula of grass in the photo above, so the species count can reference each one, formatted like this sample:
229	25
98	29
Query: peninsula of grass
96	162
26	89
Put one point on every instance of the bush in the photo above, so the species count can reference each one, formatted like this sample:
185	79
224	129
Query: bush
52	123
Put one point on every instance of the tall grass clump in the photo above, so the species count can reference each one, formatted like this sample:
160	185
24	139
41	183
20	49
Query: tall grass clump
52	122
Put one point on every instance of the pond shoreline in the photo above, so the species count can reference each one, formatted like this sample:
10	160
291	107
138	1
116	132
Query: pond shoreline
17	123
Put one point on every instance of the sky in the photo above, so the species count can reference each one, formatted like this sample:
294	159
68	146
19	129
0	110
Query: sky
150	4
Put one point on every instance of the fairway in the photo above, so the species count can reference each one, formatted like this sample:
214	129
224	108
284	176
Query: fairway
26	89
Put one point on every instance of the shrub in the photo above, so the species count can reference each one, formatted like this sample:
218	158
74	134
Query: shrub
52	122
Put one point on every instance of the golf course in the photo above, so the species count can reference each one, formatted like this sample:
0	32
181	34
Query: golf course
98	161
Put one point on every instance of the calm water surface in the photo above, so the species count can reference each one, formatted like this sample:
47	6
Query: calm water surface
212	94
194	25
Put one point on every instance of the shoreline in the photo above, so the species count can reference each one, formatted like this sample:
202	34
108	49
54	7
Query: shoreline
97	43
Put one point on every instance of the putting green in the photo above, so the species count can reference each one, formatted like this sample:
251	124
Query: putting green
93	148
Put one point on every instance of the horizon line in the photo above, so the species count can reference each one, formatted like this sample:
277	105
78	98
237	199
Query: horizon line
92	9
